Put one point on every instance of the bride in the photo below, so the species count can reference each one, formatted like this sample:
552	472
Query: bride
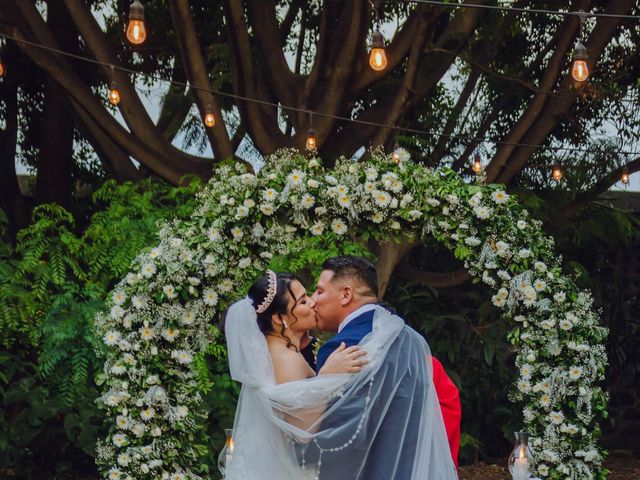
289	422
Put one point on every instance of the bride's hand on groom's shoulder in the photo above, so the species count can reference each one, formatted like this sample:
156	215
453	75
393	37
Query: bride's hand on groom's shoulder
344	360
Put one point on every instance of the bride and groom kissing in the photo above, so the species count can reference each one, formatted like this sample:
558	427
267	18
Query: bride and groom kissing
376	406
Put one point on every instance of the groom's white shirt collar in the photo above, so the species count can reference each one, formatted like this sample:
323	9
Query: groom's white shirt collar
356	313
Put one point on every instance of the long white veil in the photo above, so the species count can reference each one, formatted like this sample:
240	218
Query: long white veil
382	423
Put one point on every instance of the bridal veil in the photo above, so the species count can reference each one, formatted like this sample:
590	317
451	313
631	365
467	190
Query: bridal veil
382	423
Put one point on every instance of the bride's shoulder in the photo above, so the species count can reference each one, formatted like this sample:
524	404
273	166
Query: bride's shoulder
289	365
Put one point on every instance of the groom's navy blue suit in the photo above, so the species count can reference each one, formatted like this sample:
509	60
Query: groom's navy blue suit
392	435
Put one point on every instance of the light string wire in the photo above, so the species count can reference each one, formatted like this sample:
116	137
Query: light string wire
306	111
535	11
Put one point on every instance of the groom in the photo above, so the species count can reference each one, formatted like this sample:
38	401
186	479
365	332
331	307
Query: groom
345	299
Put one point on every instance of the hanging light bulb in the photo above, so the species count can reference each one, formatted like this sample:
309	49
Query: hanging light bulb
557	172
580	68
395	155
311	140
136	31
624	178
378	56
209	117
1	67
114	94
477	164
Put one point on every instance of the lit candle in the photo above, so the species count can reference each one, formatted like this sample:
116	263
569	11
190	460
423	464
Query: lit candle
521	466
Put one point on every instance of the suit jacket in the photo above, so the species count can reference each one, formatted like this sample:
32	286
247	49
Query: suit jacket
446	390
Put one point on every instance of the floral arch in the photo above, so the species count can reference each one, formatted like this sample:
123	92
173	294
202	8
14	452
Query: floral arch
158	322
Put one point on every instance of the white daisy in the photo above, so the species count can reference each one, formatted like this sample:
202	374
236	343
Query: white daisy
575	373
170	334
139	301
521	224
118	369
556	417
296	177
116	312
146	333
317	228
182	411
338	226
119	440
565	324
249	203
382	198
344	201
242	211
311	183
543	470
155	253
482	212
500	196
237	233
307	201
559	297
267	209
111	337
545	400
147	414
123	459
377	217
320	211
369	187
539	285
170	291
525	371
270	195
371	174
524	386
119	297
122	421
115	474
210	297
182	356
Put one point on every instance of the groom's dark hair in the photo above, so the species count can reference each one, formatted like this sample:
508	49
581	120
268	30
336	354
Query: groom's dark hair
351	266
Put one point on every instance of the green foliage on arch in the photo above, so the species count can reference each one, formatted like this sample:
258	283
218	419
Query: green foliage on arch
159	320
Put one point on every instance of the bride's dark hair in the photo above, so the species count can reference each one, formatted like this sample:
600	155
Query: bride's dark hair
279	305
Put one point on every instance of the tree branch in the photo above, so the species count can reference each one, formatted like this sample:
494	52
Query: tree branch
556	110
198	76
568	27
261	122
585	198
131	107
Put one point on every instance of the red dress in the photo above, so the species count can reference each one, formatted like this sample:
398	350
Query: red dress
449	398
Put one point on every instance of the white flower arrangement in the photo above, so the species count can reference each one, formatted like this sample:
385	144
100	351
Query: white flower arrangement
158	320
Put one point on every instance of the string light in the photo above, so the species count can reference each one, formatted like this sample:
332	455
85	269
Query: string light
378	56
114	94
395	156
624	178
1	66
311	140
557	172
136	31
209	117
580	68
341	118
477	164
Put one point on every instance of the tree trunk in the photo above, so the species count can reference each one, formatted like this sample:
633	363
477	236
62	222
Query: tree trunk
55	156
12	201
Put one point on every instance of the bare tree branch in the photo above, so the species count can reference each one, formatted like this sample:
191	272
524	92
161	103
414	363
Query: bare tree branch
600	187
555	110
198	76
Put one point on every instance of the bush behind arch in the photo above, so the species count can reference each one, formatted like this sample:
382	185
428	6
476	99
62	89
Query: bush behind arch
158	325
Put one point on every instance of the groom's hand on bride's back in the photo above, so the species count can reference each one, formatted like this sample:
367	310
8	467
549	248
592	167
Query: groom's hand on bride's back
344	360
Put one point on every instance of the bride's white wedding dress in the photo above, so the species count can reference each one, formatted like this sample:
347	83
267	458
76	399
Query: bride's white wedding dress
383	422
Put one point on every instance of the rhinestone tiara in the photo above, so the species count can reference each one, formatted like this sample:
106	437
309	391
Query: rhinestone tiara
271	292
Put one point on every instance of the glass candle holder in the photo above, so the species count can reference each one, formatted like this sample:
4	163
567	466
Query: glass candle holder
521	458
226	454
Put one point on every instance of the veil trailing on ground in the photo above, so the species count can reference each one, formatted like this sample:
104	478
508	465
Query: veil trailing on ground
382	423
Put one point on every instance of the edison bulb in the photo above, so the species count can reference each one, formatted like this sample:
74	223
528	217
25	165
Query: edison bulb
580	71
1	68
625	177
378	59
209	119
136	31
477	165
114	94
557	173
311	140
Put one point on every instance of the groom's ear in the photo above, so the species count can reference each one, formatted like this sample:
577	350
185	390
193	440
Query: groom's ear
346	295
